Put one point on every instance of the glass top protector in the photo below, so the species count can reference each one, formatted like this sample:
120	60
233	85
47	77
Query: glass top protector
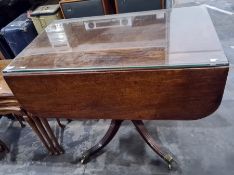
175	38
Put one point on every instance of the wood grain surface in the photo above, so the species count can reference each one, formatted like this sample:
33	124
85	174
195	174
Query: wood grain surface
175	94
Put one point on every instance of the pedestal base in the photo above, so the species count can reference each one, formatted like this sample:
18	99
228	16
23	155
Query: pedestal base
111	132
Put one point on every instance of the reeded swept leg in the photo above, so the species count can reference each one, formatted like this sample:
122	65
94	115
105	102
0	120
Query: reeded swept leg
20	120
51	134
151	142
45	134
35	127
36	130
111	132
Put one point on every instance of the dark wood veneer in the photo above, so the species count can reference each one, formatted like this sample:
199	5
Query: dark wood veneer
175	94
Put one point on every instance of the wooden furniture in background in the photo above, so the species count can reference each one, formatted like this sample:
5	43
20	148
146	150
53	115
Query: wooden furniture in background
84	8
42	16
10	106
126	6
1	56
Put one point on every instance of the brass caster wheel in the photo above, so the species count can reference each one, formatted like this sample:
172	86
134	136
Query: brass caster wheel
169	159
82	161
84	158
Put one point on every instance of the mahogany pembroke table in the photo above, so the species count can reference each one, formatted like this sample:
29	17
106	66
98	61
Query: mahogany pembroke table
155	65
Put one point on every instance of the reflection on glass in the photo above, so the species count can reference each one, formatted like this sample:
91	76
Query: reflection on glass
57	36
101	24
179	37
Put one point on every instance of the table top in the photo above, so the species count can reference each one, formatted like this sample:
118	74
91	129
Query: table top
175	38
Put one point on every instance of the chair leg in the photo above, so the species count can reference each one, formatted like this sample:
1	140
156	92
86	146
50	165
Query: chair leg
60	124
69	120
45	134
36	130
50	132
20	120
39	130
